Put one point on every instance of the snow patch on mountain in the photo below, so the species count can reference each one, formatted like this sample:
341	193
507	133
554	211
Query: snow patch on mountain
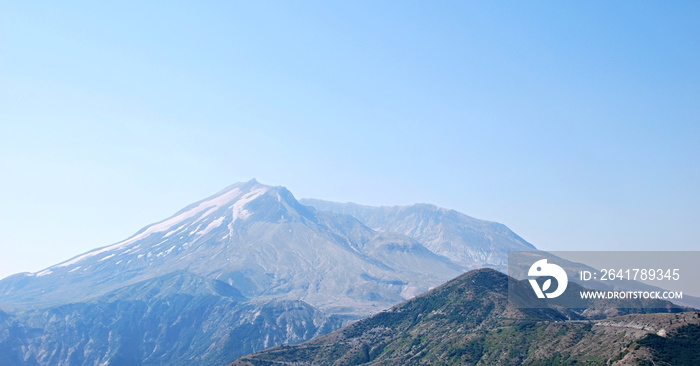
212	225
44	273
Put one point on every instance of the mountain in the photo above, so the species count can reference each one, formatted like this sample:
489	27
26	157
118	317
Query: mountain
259	240
465	240
468	321
247	268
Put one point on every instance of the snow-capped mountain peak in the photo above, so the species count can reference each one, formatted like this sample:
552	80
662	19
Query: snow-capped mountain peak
197	219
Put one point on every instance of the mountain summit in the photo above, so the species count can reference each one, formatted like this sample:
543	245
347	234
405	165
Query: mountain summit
199	238
254	250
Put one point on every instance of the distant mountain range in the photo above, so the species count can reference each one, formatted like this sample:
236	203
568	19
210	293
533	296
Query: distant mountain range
468	321
245	269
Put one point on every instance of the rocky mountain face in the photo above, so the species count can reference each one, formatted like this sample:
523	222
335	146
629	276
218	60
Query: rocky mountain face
467	241
177	319
245	269
468	321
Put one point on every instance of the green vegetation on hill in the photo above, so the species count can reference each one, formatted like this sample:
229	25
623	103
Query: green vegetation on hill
468	321
680	348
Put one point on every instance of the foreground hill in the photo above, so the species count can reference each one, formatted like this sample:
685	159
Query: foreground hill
468	321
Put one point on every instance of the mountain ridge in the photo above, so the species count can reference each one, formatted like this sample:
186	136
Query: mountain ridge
466	240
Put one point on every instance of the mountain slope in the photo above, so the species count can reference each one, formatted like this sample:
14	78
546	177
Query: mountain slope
467	241
468	322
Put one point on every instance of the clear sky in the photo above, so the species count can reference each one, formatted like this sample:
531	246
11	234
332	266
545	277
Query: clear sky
577	124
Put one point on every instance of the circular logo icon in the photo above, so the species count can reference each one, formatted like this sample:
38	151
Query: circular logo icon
543	269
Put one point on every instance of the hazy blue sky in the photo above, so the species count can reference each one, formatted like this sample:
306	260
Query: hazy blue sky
577	124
